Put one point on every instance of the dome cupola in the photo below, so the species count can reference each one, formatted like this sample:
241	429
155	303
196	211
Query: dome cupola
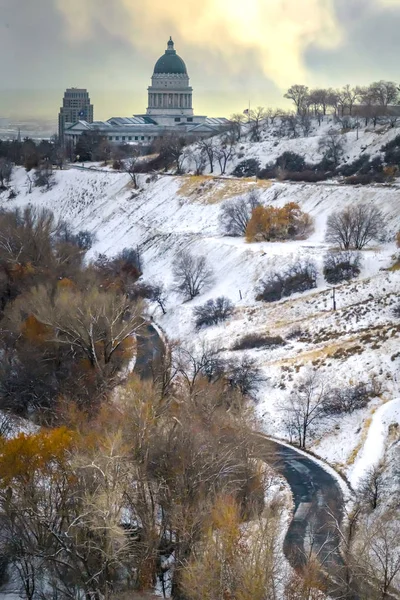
170	63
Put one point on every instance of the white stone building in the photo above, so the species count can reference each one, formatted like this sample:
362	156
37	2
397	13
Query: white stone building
170	109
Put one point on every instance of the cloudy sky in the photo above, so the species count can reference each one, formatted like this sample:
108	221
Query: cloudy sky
235	50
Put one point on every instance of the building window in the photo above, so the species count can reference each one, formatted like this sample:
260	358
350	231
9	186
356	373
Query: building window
142	138
130	138
110	138
177	119
117	138
123	138
190	119
136	137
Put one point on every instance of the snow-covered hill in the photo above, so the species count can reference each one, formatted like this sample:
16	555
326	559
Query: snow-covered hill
357	342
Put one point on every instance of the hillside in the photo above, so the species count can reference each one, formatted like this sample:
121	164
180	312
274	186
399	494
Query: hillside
357	343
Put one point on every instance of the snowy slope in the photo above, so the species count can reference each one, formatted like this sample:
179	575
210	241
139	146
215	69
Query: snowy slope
171	213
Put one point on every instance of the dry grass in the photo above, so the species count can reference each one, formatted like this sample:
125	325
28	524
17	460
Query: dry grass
364	434
207	189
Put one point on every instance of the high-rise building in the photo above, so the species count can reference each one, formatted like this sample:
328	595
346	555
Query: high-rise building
76	107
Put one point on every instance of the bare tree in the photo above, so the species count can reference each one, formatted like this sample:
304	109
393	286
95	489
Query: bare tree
194	363
373	486
129	165
385	93
44	176
375	555
350	95
95	322
213	311
225	152
6	169
199	158
332	145
257	118
208	146
235	214
237	121
191	274
355	226
304	407
291	122
299	95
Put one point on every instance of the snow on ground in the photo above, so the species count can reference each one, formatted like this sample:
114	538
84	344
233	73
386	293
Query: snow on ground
373	449
357	342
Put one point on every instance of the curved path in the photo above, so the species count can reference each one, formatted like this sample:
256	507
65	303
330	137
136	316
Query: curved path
318	502
318	499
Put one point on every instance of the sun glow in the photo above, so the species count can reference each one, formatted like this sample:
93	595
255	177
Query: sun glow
276	32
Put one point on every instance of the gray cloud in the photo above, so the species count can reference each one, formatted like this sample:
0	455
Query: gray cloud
251	50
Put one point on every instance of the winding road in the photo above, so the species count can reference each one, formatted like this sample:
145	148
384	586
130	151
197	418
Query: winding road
317	497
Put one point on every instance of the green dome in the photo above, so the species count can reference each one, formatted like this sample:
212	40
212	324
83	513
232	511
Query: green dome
170	63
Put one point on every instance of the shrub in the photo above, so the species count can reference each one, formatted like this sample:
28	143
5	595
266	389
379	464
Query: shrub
270	223
247	168
398	239
244	375
392	151
308	176
268	172
235	214
257	340
341	266
299	277
296	333
290	161
213	312
354	167
396	311
339	401
365	179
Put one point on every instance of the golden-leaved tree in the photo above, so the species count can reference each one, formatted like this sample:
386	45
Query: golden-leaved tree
270	223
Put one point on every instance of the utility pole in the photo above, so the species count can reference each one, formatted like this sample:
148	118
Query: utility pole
333	299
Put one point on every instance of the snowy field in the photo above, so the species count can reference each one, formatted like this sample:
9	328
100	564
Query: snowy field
358	342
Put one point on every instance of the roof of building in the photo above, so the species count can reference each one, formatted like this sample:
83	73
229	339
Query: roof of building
170	63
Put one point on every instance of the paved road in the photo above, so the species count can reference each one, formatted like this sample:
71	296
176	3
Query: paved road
316	493
149	352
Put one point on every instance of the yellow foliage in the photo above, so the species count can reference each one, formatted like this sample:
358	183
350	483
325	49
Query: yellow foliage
26	456
66	283
272	223
35	331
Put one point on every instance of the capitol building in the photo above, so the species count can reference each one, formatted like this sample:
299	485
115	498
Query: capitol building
170	109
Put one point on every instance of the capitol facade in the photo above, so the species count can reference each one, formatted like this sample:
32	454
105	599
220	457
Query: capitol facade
170	109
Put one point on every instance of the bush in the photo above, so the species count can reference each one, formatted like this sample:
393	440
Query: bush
269	223
268	172
244	375
365	179
308	176
290	161
247	168
213	312
235	214
341	266
396	311
299	277
339	401
354	167
257	340
392	151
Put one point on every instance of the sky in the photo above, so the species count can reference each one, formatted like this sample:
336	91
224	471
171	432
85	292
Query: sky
236	51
